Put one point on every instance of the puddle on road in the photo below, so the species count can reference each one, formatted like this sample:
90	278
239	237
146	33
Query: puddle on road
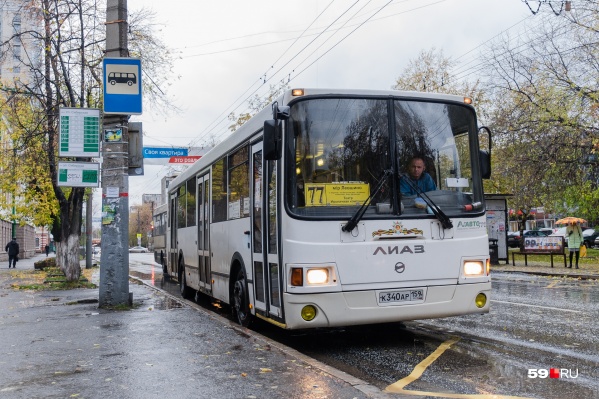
151	278
165	303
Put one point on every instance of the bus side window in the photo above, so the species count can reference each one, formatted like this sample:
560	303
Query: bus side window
219	190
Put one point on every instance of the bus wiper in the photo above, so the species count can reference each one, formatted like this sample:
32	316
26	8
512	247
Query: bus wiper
441	216
353	222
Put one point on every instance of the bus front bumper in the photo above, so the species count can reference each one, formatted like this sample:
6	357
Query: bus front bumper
361	307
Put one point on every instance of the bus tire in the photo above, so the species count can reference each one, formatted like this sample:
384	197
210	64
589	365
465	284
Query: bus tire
163	263
183	288
241	300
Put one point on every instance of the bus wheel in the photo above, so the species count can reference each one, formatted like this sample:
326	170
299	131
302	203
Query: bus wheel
183	288
163	263
241	302
164	271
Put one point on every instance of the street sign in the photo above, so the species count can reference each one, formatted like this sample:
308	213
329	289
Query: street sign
184	160
79	132
136	158
164	152
122	86
78	174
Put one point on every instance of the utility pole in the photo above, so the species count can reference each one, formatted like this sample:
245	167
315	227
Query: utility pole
114	261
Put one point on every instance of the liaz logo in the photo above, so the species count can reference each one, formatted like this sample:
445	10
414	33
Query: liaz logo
552	373
391	250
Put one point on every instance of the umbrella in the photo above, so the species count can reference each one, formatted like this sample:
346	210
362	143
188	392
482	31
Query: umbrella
570	220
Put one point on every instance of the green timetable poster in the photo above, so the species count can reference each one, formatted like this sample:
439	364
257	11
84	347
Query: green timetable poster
79	132
78	174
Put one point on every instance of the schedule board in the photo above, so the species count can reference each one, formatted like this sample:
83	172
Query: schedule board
79	132
78	174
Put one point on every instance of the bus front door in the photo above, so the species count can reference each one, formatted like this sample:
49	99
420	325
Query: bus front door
204	232
174	245
265	253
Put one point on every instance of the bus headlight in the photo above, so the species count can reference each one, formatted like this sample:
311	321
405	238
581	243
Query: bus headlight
317	276
474	268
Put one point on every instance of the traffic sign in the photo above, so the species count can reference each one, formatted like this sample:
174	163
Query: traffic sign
164	152
79	132
78	174
122	86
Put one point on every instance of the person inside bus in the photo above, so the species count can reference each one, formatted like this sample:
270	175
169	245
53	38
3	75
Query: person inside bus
418	176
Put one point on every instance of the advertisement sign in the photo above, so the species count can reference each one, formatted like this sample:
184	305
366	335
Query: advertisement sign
188	160
553	244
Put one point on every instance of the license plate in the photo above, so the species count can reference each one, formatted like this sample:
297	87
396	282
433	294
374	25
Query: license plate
401	297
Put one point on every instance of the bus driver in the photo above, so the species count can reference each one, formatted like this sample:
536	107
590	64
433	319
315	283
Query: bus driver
418	176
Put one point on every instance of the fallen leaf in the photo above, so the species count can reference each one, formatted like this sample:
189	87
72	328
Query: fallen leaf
265	370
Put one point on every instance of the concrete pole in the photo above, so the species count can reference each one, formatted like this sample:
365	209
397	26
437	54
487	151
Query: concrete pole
114	261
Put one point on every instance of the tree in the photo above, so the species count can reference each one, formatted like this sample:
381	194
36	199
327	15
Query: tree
256	104
63	69
545	113
140	222
431	72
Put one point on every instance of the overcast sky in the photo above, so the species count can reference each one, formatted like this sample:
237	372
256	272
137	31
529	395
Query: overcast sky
226	49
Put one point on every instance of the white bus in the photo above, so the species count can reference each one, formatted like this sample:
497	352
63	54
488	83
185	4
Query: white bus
159	222
297	218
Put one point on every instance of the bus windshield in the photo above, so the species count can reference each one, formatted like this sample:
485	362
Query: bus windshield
340	152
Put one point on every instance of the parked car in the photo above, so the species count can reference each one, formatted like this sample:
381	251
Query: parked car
561	232
548	230
590	237
138	249
513	239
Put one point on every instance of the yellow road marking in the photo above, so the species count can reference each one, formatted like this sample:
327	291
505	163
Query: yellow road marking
553	284
398	387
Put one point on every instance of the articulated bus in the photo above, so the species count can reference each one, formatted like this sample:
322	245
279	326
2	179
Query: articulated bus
297	218
159	220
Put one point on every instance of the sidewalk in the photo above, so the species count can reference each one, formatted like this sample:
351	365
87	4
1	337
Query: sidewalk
59	344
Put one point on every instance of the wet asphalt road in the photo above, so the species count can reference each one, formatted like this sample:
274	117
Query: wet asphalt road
536	324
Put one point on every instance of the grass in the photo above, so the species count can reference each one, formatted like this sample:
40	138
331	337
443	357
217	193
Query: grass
50	279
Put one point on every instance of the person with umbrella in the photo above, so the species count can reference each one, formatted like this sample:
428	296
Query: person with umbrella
574	234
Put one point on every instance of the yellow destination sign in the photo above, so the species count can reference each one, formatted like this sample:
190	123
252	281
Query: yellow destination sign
336	194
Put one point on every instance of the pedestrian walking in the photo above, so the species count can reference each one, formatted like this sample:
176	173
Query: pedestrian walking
47	248
13	252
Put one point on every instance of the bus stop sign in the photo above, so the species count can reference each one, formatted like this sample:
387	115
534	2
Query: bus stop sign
122	86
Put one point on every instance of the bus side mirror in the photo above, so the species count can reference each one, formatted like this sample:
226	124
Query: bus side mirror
485	156
485	164
272	140
272	132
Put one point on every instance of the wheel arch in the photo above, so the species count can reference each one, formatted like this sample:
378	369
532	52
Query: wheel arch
237	264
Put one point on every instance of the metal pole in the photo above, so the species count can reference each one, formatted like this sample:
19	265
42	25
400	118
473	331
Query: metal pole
88	232
114	261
